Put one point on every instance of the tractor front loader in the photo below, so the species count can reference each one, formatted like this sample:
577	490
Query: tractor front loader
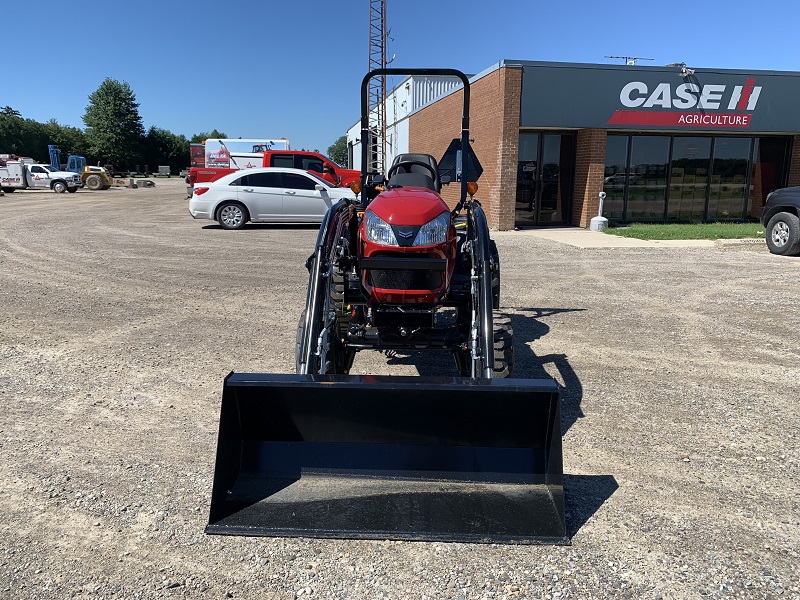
321	453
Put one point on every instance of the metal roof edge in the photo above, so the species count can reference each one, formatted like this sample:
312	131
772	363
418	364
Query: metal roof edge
647	68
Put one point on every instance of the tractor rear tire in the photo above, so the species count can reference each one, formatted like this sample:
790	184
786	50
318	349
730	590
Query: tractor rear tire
94	182
503	346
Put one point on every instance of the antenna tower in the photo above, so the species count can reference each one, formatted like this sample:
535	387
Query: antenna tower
377	86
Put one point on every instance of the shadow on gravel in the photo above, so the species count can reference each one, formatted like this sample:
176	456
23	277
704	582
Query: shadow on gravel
583	496
528	328
428	363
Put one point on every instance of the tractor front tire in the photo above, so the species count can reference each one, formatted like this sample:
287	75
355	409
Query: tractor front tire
94	182
339	359
298	342
495	274
503	346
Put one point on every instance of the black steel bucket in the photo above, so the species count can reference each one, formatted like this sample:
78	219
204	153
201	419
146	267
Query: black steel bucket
378	457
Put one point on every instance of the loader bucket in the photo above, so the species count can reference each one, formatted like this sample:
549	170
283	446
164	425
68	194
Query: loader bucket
405	458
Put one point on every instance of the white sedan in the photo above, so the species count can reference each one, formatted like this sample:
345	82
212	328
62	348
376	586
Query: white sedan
265	195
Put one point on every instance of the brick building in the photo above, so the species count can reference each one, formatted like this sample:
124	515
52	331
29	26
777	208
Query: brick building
666	144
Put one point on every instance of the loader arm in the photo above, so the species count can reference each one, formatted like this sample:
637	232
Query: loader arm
319	264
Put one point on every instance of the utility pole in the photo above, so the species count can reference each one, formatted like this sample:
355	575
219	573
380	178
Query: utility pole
377	86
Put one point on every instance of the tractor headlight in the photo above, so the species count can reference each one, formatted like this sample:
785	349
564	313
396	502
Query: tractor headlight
433	232
378	230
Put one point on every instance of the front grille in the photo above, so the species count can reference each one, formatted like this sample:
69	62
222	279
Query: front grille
413	270
405	280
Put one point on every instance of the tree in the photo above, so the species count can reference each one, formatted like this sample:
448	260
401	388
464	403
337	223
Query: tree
114	129
70	140
24	137
337	152
203	136
12	124
9	112
165	148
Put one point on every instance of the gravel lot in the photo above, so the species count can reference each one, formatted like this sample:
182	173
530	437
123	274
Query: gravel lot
120	316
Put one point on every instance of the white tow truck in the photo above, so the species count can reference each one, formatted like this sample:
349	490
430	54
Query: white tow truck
17	173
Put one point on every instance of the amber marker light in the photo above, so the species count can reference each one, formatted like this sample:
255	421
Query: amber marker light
355	186
472	188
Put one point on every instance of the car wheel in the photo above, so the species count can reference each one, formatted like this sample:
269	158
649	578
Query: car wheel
232	215
94	182
783	234
59	187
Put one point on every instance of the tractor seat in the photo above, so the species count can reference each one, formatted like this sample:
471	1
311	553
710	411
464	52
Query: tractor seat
417	176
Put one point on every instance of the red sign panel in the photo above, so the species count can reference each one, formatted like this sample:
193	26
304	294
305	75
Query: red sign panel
679	119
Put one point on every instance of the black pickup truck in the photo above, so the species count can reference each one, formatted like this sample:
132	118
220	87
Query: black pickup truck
781	217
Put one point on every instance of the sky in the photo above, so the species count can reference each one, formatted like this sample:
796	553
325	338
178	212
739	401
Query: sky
270	69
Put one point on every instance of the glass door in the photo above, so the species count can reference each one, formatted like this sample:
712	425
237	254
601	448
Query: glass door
545	173
689	177
730	189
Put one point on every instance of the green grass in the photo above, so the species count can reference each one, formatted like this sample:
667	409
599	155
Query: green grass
689	231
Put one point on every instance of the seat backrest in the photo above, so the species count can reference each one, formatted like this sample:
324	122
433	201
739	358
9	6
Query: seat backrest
417	176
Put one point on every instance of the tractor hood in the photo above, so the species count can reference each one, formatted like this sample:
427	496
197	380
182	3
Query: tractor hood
408	206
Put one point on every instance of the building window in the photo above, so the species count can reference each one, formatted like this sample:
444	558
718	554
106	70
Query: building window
616	176
647	181
691	178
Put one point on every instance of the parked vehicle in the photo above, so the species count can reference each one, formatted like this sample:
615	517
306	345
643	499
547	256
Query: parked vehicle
265	195
620	178
75	163
781	217
313	162
21	174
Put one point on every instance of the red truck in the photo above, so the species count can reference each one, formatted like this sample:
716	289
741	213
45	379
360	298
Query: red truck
296	159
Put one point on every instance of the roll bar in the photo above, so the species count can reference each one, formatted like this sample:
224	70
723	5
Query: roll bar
365	113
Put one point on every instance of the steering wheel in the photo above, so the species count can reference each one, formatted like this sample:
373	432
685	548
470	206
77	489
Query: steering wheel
410	163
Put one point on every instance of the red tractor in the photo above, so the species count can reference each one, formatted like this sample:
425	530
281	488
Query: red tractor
322	453
398	270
